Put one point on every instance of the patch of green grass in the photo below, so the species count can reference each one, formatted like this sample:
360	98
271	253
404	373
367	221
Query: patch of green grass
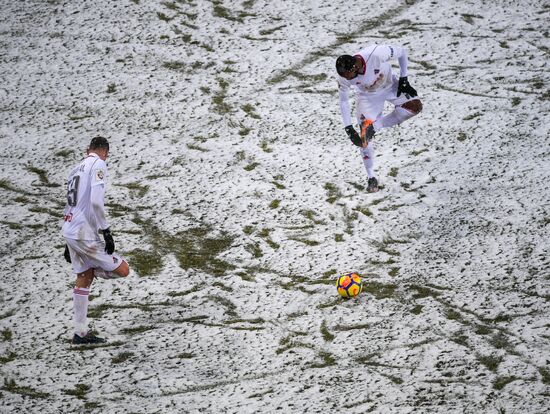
363	210
327	359
64	153
138	188
379	290
264	145
145	263
226	303
545	375
423	292
7	314
164	17
122	357
174	65
327	336
274	204
8	358
462	136
417	310
490	362
251	166
393	172
6	335
254	249
418	152
453	315
333	191
79	391
515	101
305	241
111	88
501	382
250	109
12	387
6	185
394	271
196	147
138	329
338	237
267	32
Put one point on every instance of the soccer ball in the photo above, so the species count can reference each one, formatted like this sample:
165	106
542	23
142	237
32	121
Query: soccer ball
349	285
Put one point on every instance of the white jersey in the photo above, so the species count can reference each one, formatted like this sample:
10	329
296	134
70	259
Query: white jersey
85	211
376	77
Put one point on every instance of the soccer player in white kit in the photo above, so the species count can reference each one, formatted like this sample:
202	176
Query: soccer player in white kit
84	221
369	72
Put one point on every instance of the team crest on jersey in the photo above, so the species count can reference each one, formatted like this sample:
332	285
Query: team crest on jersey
99	175
115	259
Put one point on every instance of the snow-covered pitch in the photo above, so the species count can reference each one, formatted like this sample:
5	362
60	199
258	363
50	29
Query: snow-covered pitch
237	199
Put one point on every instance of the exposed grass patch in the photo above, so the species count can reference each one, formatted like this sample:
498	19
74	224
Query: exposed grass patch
8	358
250	110
138	329
274	204
501	382
393	172
338	237
251	166
363	210
145	263
12	387
6	335
417	310
545	375
379	290
333	191
327	336
79	391
305	241
254	249
122	357
490	362
138	188
326	360
174	65
6	185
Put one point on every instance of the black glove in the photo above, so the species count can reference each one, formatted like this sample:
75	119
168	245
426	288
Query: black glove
67	254
405	87
354	136
109	242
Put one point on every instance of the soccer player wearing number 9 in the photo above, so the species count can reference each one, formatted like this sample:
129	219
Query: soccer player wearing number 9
90	246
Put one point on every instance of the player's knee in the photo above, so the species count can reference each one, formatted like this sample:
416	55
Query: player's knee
123	270
414	106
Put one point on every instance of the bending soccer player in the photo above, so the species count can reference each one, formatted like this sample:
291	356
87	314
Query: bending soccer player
370	73
90	246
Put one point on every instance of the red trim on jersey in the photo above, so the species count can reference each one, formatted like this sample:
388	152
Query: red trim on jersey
363	62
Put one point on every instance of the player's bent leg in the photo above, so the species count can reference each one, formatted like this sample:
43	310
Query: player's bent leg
84	279
414	106
123	270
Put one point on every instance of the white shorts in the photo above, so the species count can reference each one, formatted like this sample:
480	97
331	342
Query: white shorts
86	254
370	105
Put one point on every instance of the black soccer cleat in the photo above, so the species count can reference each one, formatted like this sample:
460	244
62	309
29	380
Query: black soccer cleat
89	338
369	133
372	187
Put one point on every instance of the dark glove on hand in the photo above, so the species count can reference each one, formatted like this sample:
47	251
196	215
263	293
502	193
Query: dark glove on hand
66	254
405	87
109	242
354	136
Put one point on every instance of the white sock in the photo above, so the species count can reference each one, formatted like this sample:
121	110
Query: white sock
368	159
395	117
80	310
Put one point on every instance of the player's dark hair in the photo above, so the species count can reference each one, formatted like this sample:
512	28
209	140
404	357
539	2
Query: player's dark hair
99	143
344	64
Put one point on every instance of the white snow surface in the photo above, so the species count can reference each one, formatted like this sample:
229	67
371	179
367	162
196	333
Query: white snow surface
224	125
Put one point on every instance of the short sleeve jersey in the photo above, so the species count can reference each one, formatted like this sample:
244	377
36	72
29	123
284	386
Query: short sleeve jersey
84	218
